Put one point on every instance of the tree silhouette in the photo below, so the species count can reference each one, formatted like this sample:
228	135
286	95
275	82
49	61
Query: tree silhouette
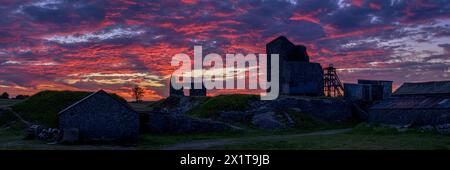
5	95
138	93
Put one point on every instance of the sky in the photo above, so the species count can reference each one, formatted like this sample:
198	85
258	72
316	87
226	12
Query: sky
113	45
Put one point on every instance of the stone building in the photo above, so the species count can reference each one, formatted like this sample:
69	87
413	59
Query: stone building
425	103
368	90
379	94
356	92
197	92
175	92
100	117
298	76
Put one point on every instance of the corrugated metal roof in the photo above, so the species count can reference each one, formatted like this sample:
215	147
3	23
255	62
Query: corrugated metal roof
435	87
415	102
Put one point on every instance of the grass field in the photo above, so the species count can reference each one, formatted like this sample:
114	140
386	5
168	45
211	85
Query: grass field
350	141
357	139
13	139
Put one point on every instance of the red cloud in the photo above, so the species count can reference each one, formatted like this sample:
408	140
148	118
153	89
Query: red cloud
375	6
308	18
358	3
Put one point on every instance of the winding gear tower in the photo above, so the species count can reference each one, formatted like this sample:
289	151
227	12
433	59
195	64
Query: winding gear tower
333	86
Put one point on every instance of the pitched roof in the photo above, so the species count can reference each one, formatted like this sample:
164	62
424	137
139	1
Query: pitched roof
414	102
282	39
93	94
433	87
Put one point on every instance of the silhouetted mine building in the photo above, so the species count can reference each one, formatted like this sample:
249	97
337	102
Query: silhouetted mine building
173	91
298	76
197	92
425	103
192	91
368	90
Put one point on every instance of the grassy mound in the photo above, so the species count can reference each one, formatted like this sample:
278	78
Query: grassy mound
174	102
169	102
44	106
212	106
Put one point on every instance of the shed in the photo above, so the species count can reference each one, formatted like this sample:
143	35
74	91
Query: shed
101	117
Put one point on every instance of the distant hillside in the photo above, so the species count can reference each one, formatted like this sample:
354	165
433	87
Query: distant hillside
43	107
231	102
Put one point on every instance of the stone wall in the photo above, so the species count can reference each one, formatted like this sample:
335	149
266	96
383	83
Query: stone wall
297	76
100	117
381	89
301	78
365	92
353	92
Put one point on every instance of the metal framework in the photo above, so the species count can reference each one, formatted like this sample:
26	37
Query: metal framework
333	86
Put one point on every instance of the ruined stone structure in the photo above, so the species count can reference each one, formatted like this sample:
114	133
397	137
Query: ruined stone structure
298	76
426	103
368	90
175	92
100	117
197	92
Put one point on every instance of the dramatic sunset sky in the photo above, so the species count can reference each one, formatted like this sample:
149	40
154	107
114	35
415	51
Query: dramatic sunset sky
87	45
